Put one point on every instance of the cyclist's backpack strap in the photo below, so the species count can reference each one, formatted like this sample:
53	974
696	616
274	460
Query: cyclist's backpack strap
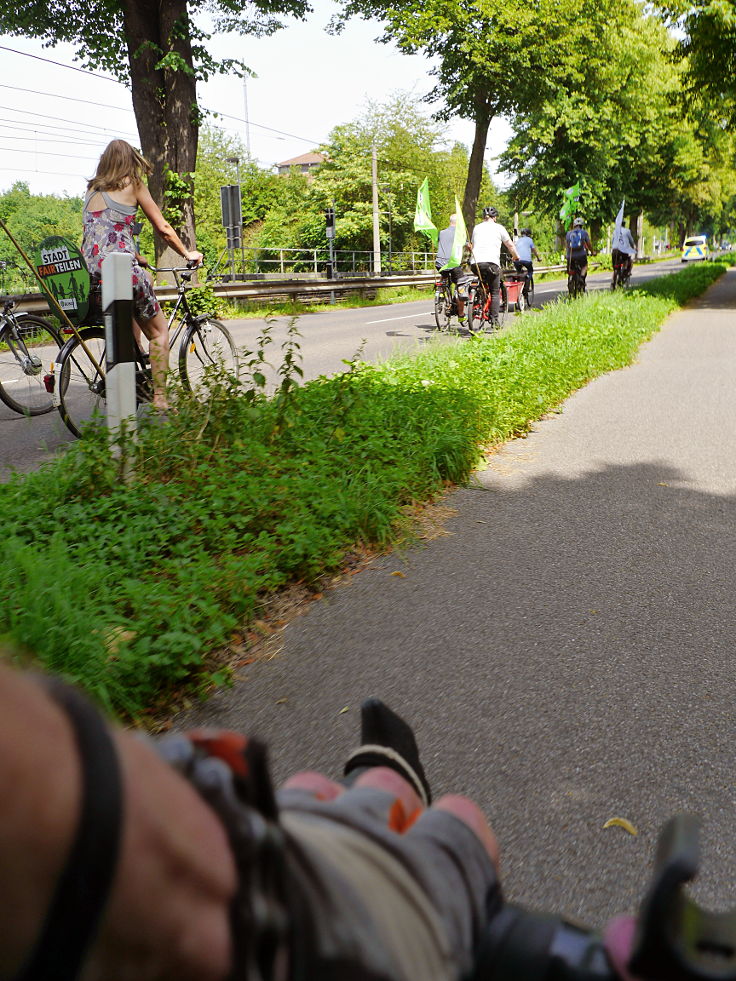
81	893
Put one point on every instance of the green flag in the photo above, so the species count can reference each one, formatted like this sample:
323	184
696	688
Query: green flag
460	240
423	215
570	199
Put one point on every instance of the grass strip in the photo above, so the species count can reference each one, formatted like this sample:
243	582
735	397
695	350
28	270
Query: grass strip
124	589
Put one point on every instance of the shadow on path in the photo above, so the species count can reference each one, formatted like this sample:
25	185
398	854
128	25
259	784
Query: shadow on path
566	652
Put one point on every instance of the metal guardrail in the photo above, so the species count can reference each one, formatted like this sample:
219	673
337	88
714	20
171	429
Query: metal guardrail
264	289
294	287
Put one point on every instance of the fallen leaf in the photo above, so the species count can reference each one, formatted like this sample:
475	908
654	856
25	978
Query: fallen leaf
621	823
479	522
281	701
344	710
400	574
662	483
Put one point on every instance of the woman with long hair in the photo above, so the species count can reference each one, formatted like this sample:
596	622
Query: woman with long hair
113	197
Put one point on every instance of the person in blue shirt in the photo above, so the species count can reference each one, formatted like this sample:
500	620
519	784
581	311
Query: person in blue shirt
527	250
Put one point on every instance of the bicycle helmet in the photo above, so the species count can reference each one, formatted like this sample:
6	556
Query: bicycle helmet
490	212
578	223
526	231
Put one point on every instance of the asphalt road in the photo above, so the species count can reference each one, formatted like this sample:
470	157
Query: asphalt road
566	648
327	340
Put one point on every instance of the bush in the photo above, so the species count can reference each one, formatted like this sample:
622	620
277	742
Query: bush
124	588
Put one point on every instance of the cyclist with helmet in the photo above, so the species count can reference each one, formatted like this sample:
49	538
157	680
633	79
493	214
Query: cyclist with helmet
488	237
527	249
578	246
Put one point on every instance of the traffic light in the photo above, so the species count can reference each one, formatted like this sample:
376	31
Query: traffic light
330	220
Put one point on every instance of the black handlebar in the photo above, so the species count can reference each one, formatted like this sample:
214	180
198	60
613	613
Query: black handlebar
675	939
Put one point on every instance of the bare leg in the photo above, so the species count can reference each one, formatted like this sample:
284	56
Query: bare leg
157	332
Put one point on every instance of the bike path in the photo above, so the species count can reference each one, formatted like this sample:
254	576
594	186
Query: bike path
566	649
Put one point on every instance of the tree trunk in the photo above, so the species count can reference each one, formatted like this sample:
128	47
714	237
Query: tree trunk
483	118
164	102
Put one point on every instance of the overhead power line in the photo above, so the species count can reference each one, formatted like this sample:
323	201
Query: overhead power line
69	98
240	119
50	61
74	122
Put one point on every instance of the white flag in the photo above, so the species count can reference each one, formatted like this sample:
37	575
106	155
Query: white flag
616	242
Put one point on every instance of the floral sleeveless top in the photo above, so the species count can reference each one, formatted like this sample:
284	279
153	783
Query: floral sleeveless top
109	231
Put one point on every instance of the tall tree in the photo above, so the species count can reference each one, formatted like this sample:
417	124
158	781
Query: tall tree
491	59
160	50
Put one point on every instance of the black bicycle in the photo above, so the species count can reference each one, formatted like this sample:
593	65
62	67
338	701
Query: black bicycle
621	271
28	347
575	278
197	343
445	300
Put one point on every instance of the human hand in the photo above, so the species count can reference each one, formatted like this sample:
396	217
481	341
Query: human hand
168	916
395	887
194	256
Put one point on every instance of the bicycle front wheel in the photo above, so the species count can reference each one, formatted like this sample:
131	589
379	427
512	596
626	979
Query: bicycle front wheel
28	348
441	310
79	381
207	347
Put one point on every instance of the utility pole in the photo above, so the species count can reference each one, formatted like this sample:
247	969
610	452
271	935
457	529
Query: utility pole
376	227
247	124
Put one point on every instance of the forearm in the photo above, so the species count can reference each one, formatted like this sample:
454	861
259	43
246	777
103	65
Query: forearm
40	784
169	236
167	916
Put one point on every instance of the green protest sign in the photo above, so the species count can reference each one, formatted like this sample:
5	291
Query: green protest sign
59	264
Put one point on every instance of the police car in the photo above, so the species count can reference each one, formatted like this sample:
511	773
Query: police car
695	247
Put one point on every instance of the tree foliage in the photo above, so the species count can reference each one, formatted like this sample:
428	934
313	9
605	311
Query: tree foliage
491	59
409	147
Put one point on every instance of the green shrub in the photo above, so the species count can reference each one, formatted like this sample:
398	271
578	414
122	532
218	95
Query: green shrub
124	587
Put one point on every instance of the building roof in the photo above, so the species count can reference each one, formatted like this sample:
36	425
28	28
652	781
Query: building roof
305	158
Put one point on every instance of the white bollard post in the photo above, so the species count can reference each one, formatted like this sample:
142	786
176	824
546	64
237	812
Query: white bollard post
117	305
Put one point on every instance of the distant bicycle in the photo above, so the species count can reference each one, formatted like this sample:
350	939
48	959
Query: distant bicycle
28	347
575	279
197	343
445	304
445	299
479	307
622	267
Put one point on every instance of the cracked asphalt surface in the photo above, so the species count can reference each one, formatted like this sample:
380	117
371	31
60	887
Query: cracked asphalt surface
565	650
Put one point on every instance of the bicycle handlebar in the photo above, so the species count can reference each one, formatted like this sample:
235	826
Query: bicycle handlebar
675	939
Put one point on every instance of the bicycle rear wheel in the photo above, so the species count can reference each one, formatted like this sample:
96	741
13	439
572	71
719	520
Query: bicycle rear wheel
28	348
530	295
206	348
80	386
476	299
503	305
441	309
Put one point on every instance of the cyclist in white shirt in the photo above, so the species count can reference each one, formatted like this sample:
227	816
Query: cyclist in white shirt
488	237
623	248
527	249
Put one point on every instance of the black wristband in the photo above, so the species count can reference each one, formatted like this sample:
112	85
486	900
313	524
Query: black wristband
72	919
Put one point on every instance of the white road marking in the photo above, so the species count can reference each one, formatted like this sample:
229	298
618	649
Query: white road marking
388	320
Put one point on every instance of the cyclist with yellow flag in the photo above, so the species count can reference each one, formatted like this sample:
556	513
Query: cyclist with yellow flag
450	247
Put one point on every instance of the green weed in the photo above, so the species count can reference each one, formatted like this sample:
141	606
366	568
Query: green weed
124	588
